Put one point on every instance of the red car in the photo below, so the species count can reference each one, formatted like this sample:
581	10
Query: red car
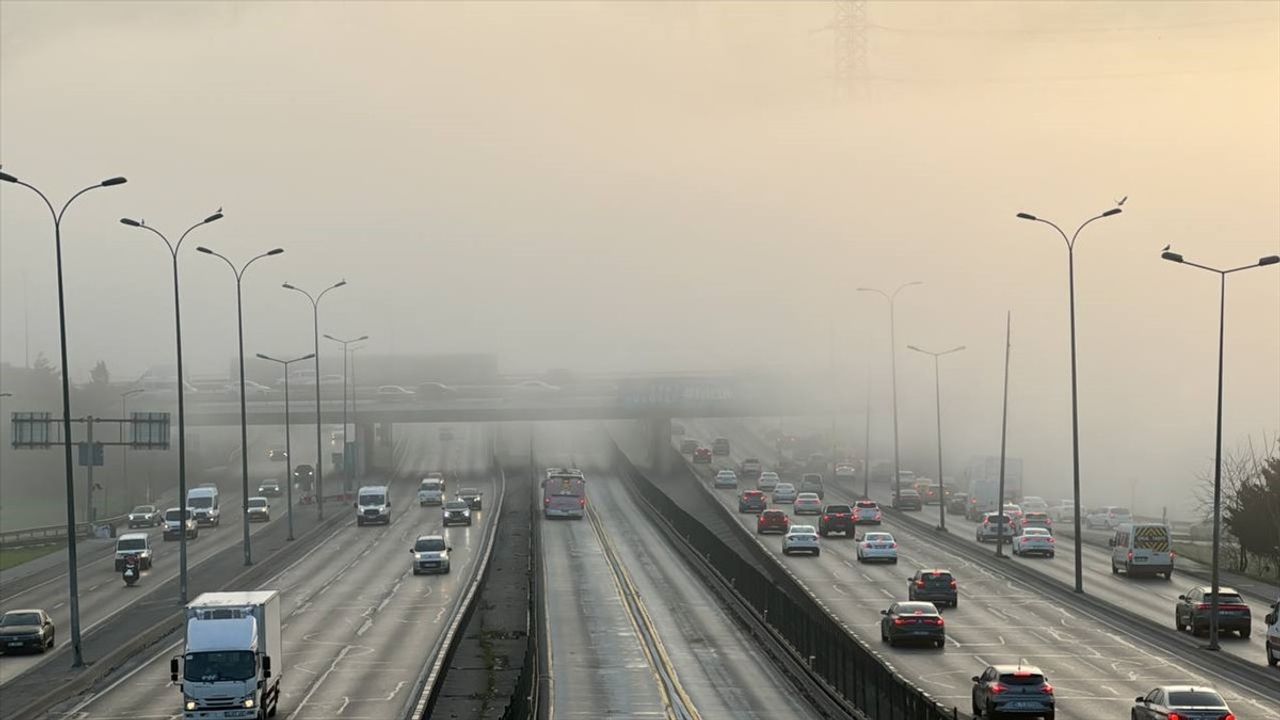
702	456
773	521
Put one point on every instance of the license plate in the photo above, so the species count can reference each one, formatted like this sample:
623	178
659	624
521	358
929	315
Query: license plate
1019	705
15	643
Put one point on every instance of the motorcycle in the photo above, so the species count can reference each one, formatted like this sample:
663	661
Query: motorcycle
131	571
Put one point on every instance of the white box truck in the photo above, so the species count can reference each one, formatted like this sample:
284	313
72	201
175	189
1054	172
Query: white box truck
233	660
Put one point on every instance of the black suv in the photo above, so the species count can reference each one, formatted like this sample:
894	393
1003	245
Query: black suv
936	585
1192	611
836	519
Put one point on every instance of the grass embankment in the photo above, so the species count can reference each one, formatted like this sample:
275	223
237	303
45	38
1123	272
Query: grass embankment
12	557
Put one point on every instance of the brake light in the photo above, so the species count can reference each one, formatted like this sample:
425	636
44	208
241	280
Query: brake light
1175	716
582	503
953	584
1050	541
1173	555
893	545
934	621
1047	689
1203	606
1130	554
899	621
920	583
997	688
826	517
1230	716
546	501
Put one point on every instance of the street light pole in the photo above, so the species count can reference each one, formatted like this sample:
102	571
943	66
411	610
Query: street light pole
315	321
1217	445
355	419
1075	413
893	372
182	381
288	447
937	389
346	481
244	426
72	579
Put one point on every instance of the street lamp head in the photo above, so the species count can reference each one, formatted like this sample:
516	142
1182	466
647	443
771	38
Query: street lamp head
340	283
203	249
362	337
213	217
1269	260
1027	216
7	177
1171	256
113	181
308	356
130	222
265	357
1112	211
287	286
276	251
913	347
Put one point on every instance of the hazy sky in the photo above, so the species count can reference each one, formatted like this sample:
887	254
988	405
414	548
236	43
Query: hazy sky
675	185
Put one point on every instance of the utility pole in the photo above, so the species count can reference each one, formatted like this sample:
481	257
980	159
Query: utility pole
1004	429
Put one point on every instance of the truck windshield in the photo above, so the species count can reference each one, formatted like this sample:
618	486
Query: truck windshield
200	502
219	666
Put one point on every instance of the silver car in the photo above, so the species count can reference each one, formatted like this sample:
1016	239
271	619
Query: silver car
801	539
1184	701
726	479
808	503
768	480
430	554
784	493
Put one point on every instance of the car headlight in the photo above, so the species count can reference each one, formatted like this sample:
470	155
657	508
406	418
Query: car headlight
248	703
191	704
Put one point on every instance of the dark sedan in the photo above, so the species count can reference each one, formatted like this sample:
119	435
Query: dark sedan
1192	611
472	497
907	500
1181	701
25	630
752	501
956	503
933	585
913	622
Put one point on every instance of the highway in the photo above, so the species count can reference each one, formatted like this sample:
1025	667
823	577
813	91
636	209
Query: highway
102	592
1096	672
358	626
599	664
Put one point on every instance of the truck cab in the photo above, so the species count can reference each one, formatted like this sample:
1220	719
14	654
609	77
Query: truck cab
203	502
136	544
226	669
373	505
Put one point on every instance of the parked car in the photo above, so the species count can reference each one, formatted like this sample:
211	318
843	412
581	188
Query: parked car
1012	689
935	585
801	539
1193	611
752	501
144	516
28	629
913	621
773	521
1191	702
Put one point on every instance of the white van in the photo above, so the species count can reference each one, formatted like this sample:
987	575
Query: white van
373	505
1273	634
138	544
430	492
203	502
1142	549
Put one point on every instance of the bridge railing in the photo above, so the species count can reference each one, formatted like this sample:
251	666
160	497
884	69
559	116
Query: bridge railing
27	537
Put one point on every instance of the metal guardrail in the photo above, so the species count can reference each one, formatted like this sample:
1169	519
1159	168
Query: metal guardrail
27	537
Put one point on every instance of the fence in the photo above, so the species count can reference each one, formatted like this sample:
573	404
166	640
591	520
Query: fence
27	537
848	666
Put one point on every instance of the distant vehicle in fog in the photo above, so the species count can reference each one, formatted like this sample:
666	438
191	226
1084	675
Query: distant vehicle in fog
435	391
394	392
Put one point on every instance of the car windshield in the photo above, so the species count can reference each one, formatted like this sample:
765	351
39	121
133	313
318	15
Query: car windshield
200	502
1036	532
839	509
566	486
144	509
456	505
785	487
802	530
917	608
258	502
1120	511
1196	698
877	537
430	486
867	504
175	515
268	483
219	666
1225	598
469	492
131	544
372	499
20	618
910	493
429	545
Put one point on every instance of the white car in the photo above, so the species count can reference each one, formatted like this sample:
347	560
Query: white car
801	539
430	554
1034	541
394	392
784	493
259	509
1063	511
867	512
808	503
430	492
845	472
726	479
877	546
1031	503
1108	517
768	480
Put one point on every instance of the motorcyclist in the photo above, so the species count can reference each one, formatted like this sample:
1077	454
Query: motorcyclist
132	569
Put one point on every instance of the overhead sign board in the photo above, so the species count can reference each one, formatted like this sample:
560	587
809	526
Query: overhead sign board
32	430
150	430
